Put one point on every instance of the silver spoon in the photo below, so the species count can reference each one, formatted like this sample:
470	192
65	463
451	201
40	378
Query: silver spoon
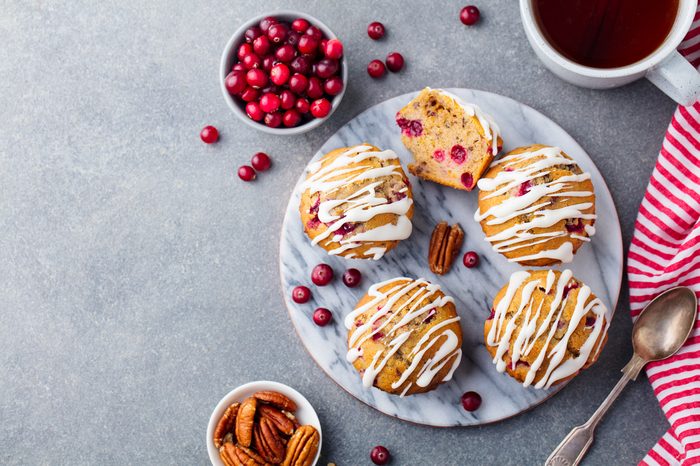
658	333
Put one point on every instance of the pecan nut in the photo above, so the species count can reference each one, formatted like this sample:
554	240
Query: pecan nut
302	447
245	420
276	399
228	456
278	418
268	441
445	243
225	424
249	453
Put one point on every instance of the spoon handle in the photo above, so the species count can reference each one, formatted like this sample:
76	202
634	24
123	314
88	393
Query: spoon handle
571	450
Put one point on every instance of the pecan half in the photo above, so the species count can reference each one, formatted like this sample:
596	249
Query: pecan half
245	420
268	441
228	456
225	424
302	447
276	399
445	243
240	450
278	418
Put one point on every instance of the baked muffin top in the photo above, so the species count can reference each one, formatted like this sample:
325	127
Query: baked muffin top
536	206
545	326
404	336
357	202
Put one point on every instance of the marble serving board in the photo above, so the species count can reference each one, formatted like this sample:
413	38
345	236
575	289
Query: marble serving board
598	263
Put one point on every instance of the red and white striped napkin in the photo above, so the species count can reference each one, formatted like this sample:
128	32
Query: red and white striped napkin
665	252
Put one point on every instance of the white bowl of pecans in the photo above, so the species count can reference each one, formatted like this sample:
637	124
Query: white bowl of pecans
264	422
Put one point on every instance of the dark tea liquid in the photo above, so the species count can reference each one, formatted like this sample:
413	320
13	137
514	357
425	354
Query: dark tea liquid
605	33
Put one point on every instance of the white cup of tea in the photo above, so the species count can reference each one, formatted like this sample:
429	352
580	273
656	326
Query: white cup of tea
663	66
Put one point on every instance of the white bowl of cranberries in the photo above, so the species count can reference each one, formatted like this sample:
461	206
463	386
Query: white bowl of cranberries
283	72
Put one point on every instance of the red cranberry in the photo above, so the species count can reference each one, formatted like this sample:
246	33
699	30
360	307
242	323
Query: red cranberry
266	23
307	44
273	120
302	105
333	49
467	180
277	33
249	94
322	274
301	65
376	69
209	134
322	316
286	53
298	83
291	118
458	154
256	78
394	61
326	67
243	50
287	99
470	259
261	45
575	226
320	108
301	294
235	82
352	278
590	321
279	74
269	102
469	15
261	161
293	38
252	33
314	32
238	67
254	111
333	85
268	62
375	30
300	25
439	155
471	401
572	285
251	61
246	173
315	88
380	455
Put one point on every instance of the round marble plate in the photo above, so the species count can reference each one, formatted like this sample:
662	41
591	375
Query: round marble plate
598	263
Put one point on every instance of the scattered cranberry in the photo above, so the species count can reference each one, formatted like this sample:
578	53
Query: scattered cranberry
261	45
469	15
235	82
209	134
301	294
277	33
376	69
380	455
333	85
326	67
322	316
252	33
320	108
375	30
249	94
470	259
333	49
471	401
315	88
273	120
394	61
246	173
279	74
266	23
287	99
251	61
261	161
352	278
300	25
291	118
243	50
322	274
302	105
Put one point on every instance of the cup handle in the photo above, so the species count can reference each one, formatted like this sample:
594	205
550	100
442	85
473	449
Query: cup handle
677	78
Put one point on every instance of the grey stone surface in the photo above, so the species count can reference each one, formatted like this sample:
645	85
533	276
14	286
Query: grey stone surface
139	276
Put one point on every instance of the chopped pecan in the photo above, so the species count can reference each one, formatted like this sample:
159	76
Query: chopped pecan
445	243
225	424
302	447
245	420
278	418
276	399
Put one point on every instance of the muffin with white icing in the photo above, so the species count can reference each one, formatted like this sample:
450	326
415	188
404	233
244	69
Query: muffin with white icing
536	206
545	326
357	202
452	141
404	336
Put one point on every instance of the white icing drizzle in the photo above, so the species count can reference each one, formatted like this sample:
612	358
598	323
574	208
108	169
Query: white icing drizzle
415	292
490	127
363	204
520	235
501	332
